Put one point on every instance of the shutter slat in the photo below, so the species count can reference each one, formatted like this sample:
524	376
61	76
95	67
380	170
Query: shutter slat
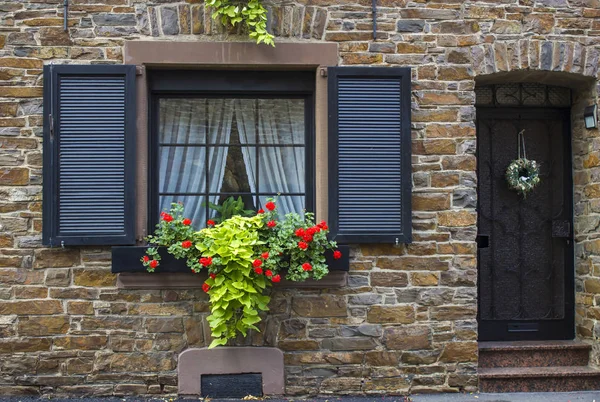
370	164
93	108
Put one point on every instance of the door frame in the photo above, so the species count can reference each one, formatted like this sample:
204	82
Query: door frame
499	330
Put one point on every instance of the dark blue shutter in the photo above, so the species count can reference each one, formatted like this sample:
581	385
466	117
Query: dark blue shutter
89	156
369	154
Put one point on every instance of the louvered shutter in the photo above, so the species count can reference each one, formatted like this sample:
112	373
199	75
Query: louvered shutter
89	155
369	154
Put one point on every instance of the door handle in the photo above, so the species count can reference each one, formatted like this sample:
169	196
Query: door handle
561	228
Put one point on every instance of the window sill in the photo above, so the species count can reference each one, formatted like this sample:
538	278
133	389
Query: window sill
174	274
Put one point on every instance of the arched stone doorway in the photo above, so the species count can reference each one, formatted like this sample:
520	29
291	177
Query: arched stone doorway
525	244
585	160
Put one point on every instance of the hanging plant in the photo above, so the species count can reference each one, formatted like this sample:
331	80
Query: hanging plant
250	13
523	175
244	256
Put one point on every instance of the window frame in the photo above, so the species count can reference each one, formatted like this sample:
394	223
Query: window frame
228	84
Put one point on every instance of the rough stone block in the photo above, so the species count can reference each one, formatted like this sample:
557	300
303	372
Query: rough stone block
94	277
405	25
407	338
391	314
56	258
31	307
319	306
459	352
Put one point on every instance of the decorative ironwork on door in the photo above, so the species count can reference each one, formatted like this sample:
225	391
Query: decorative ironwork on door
522	95
525	247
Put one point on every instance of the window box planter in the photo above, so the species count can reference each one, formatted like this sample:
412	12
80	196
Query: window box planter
175	274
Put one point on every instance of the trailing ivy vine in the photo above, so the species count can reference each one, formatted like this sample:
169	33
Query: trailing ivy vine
250	13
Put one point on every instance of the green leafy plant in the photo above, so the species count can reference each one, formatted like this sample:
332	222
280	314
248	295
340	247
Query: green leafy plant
250	13
244	256
230	207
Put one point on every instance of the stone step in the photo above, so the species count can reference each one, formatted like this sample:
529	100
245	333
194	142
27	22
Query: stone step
538	379
533	354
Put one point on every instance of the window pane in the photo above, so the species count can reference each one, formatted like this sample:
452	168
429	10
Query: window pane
181	169
270	121
195	121
182	121
281	170
281	121
192	206
247	199
232	169
286	204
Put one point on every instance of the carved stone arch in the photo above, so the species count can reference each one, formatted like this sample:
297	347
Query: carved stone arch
531	55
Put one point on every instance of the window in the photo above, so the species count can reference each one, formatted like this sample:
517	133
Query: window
209	145
220	134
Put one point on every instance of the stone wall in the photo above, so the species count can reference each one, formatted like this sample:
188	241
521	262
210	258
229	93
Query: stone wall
587	235
407	319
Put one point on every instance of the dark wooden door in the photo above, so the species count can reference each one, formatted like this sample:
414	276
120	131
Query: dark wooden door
525	247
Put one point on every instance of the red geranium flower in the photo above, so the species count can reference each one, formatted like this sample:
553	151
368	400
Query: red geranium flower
257	263
186	244
270	205
300	232
205	287
337	254
166	217
210	222
206	261
276	278
258	270
153	264
271	224
311	231
146	258
268	273
302	245
265	255
212	276
261	211
323	225
306	266
187	222
307	238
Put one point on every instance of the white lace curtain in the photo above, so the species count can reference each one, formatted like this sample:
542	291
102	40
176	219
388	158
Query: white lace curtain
281	168
187	123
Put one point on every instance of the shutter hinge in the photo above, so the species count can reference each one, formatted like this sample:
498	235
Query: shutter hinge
51	119
323	71
140	70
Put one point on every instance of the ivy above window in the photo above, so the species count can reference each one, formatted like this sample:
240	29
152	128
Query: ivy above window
250	13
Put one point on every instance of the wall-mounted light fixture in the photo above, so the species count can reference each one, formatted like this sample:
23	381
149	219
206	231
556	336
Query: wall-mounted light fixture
590	116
